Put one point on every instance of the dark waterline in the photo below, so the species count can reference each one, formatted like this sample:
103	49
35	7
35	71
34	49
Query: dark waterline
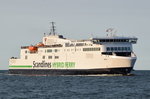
75	87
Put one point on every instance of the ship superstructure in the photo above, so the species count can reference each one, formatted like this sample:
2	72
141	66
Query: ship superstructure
56	55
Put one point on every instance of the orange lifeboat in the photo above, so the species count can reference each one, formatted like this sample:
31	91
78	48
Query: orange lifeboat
40	45
32	48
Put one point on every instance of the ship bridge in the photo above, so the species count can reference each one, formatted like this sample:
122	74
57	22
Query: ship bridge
132	40
119	46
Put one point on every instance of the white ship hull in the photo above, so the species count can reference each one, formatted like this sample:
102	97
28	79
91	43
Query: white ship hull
99	64
56	55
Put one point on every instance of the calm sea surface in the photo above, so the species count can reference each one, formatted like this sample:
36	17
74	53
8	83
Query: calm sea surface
136	86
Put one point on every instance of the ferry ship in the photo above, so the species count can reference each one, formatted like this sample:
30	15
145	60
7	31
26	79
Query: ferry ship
56	55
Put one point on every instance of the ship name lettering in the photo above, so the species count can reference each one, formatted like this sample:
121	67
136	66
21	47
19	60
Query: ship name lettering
41	64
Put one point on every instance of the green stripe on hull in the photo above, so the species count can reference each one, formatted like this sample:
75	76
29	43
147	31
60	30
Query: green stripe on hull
19	66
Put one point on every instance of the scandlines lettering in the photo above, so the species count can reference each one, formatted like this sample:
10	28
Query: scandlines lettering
41	64
44	64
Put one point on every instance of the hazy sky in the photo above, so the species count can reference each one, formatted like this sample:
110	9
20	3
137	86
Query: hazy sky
23	22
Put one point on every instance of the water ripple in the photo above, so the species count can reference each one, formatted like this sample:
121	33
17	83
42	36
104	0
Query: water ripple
75	87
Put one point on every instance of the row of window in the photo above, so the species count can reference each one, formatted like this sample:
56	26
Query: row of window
50	57
77	44
117	53
91	49
111	40
44	57
50	50
118	49
46	51
57	50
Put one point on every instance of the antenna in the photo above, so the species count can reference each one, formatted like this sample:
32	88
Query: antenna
52	29
111	31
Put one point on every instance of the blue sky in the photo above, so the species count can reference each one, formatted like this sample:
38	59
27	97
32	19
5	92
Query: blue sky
23	22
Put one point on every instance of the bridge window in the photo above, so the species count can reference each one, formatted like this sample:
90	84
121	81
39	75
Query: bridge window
115	48
122	48
129	49
112	40
118	48
112	48
108	48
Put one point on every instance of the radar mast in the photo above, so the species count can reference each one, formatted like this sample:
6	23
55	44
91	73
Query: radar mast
111	32
52	28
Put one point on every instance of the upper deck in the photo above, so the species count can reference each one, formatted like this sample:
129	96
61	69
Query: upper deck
60	42
115	39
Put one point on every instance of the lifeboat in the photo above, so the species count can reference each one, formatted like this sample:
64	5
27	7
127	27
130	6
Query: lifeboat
40	45
33	48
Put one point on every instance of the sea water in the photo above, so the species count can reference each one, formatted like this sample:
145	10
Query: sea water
136	86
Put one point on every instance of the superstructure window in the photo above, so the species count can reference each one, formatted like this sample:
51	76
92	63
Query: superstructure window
115	48
56	50
43	57
26	51
123	48
67	45
79	44
107	53
91	49
26	57
123	54
112	40
49	50
56	57
118	48
49	57
108	48
112	48
129	49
